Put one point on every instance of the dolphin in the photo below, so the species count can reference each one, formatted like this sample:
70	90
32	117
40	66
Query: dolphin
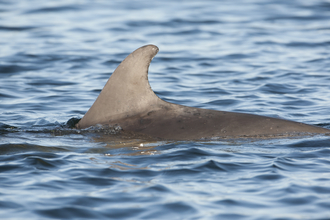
128	101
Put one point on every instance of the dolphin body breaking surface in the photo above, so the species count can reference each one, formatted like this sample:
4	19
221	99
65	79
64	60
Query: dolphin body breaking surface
127	100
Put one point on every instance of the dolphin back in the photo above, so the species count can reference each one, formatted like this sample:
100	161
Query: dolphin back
127	100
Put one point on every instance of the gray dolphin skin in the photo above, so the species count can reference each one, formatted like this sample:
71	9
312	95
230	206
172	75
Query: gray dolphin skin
127	100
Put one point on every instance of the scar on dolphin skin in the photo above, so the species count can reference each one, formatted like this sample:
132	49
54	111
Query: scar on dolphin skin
127	100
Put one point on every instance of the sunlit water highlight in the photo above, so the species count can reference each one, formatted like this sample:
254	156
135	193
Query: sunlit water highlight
263	57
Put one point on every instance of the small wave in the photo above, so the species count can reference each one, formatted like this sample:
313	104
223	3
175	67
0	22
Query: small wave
5	128
172	23
21	28
11	149
15	68
54	9
64	212
276	88
10	205
308	44
224	103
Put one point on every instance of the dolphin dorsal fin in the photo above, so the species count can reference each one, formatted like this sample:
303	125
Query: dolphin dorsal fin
127	92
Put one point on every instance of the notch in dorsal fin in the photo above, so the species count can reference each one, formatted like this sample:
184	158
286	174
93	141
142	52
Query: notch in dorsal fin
127	91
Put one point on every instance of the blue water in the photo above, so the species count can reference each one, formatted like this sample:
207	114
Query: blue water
264	57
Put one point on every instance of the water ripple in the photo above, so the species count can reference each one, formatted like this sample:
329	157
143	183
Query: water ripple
262	57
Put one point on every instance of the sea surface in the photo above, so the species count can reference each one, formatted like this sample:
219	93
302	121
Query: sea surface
266	57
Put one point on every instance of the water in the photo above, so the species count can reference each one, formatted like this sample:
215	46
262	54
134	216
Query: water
256	56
